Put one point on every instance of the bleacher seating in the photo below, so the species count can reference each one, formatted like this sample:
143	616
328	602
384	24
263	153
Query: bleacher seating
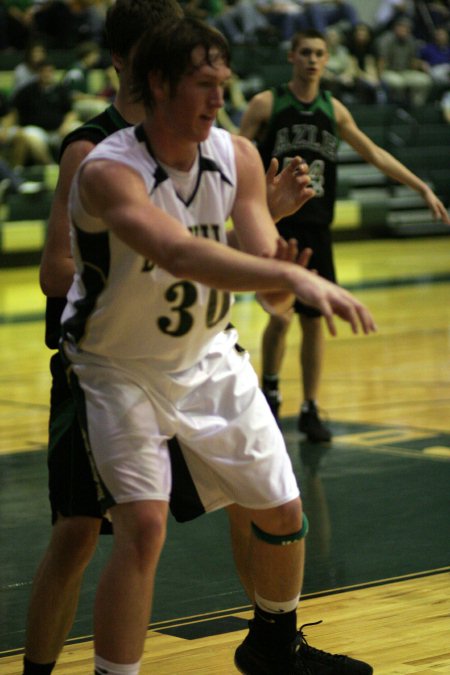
24	215
368	204
385	206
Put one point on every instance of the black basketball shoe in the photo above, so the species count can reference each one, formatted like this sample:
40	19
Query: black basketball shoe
310	424
300	659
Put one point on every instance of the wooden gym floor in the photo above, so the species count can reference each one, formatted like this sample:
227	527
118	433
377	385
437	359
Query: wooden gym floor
378	552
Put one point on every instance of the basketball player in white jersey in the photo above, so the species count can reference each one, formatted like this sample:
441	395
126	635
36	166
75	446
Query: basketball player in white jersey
76	516
151	354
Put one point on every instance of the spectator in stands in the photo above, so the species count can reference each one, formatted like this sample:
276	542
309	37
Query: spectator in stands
320	14
65	23
439	12
297	15
389	11
26	71
17	19
399	66
9	156
13	182
85	103
16	148
286	16
431	14
363	55
43	109
338	75
13	143
9	180
240	21
435	57
88	56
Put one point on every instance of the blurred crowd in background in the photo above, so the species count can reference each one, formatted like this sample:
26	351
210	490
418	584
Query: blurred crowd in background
403	57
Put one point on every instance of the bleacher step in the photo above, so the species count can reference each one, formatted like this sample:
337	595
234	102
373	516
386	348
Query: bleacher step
406	201
410	216
419	229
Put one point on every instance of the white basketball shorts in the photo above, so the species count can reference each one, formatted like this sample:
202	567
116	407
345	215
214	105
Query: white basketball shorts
230	441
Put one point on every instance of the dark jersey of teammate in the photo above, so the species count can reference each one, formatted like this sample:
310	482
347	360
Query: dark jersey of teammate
308	130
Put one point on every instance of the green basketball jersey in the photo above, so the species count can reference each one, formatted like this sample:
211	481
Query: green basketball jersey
308	130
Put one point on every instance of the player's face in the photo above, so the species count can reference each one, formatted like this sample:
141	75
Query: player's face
199	96
309	58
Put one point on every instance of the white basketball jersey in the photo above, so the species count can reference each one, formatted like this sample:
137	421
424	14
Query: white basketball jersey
123	306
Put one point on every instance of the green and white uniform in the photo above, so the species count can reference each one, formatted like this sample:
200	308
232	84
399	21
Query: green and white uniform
154	356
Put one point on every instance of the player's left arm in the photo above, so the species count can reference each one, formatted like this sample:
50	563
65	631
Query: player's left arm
383	160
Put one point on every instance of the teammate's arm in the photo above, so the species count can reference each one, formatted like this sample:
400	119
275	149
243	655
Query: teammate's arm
256	115
57	267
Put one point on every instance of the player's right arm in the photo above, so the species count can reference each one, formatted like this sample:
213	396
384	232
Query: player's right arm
57	267
115	197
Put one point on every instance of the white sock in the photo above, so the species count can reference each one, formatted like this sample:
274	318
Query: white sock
277	607
271	378
104	667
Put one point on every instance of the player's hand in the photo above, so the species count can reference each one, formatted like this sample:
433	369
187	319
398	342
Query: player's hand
436	206
332	300
288	190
